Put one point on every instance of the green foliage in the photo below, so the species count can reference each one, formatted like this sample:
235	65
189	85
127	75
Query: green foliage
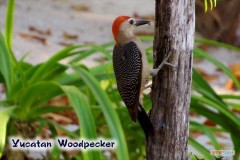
206	102
7	65
87	127
5	115
198	53
200	148
109	113
9	23
208	132
29	87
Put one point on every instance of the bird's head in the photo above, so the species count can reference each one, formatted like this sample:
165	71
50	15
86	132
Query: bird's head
125	24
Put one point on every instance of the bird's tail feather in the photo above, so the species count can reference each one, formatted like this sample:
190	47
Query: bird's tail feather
145	122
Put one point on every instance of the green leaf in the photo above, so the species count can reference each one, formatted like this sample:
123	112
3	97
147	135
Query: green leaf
81	107
74	79
229	115
103	68
9	23
25	65
53	126
1	78
84	114
217	44
211	4
82	55
92	50
199	81
53	73
215	101
37	94
205	5
200	53
236	143
207	132
5	114
215	117
109	113
6	63
44	68
204	88
103	50
56	153
212	129
200	148
6	103
230	96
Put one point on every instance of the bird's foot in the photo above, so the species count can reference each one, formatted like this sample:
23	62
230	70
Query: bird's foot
154	72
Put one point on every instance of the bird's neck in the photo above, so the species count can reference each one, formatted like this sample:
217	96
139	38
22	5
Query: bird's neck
125	37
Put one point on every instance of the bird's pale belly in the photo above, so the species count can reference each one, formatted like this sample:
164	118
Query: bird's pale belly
145	70
145	76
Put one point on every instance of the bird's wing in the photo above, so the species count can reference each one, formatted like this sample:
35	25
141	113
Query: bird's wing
127	65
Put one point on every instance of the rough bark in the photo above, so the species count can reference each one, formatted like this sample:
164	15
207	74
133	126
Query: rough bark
174	32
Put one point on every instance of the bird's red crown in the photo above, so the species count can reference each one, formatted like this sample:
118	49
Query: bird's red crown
116	25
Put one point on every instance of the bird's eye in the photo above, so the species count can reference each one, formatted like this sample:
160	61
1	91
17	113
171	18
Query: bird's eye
131	21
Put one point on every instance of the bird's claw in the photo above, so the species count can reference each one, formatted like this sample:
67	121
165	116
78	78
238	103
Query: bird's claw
153	72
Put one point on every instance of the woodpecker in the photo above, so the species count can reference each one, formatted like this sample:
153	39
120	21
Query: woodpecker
131	69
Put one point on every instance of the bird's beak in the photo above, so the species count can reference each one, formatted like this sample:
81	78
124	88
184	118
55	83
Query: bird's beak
142	22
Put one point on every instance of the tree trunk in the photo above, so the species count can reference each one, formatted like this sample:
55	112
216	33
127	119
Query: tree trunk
174	32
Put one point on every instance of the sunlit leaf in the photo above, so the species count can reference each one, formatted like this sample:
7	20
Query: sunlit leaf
200	53
5	114
217	44
6	63
109	113
205	5
207	132
43	69
84	114
200	148
9	23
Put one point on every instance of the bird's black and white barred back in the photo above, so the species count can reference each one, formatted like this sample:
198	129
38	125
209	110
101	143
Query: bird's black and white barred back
127	63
